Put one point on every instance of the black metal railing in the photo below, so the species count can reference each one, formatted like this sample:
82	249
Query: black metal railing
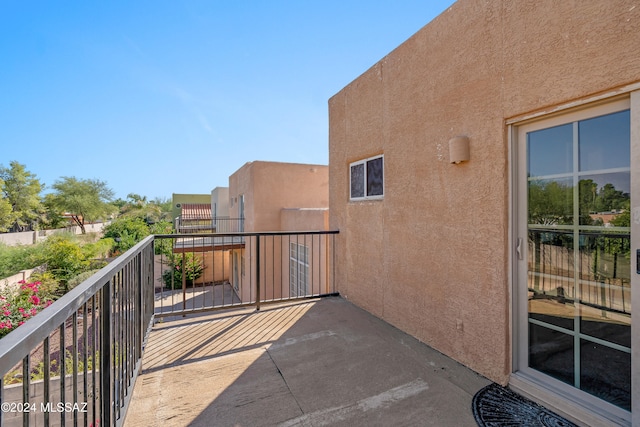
200	272
209	225
593	270
75	363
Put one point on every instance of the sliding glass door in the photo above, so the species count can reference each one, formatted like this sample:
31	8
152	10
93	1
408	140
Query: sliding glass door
574	251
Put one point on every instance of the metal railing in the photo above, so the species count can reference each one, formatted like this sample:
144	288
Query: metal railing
595	271
200	272
211	225
75	363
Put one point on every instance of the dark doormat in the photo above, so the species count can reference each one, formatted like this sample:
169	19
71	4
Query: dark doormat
495	406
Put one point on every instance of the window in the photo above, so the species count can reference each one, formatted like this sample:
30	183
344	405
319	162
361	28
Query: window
298	269
367	178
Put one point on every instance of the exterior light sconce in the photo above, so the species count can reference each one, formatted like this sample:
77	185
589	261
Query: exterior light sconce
459	149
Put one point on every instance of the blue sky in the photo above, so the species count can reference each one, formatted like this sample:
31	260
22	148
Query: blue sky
162	97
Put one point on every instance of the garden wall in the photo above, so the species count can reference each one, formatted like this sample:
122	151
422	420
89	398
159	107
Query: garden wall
32	237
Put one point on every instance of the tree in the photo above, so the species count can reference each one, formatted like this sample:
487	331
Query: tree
611	199
550	202
22	190
137	206
84	200
52	216
7	218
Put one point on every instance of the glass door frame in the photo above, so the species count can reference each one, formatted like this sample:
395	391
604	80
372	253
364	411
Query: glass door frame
555	394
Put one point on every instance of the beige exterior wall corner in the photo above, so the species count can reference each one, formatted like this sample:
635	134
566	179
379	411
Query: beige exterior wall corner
432	257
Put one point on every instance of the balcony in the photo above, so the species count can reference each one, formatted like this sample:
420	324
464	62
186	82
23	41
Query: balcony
264	341
310	363
193	224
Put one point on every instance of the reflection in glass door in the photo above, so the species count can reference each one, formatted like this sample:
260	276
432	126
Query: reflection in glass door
578	256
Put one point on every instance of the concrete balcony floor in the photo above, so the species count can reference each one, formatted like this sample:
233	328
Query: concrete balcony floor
316	363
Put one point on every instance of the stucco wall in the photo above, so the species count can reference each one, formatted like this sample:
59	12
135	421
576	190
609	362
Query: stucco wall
270	190
32	237
268	187
304	219
432	257
220	201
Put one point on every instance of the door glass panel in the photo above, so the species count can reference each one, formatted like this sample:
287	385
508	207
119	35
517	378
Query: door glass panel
604	199
551	277
604	141
551	352
551	201
550	151
605	285
579	254
605	373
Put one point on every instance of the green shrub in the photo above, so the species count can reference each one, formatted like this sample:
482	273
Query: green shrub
162	246
63	258
100	249
126	232
193	269
14	259
49	285
76	280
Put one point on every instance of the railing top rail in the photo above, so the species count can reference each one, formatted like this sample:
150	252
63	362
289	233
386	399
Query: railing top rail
246	234
617	232
19	342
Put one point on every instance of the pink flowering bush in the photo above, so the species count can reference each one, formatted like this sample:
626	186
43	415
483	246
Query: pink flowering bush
18	306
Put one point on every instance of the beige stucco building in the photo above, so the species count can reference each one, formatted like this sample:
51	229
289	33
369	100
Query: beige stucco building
260	191
499	261
288	204
280	197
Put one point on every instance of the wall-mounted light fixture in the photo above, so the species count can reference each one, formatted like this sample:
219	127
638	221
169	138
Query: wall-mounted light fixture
459	149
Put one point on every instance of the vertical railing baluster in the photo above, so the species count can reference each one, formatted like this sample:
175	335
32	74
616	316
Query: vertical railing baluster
258	273
75	364
105	354
120	361
62	368
85	360
184	280
26	381
139	309
333	264
273	269
94	360
1	400
115	339
46	398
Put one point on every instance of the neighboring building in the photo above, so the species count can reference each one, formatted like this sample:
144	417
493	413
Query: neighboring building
494	260
220	202
191	211
195	218
259	191
272	197
220	211
262	197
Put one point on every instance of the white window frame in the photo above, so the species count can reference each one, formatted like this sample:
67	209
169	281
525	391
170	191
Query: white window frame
365	179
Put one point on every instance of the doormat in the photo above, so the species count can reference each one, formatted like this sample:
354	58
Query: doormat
497	406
